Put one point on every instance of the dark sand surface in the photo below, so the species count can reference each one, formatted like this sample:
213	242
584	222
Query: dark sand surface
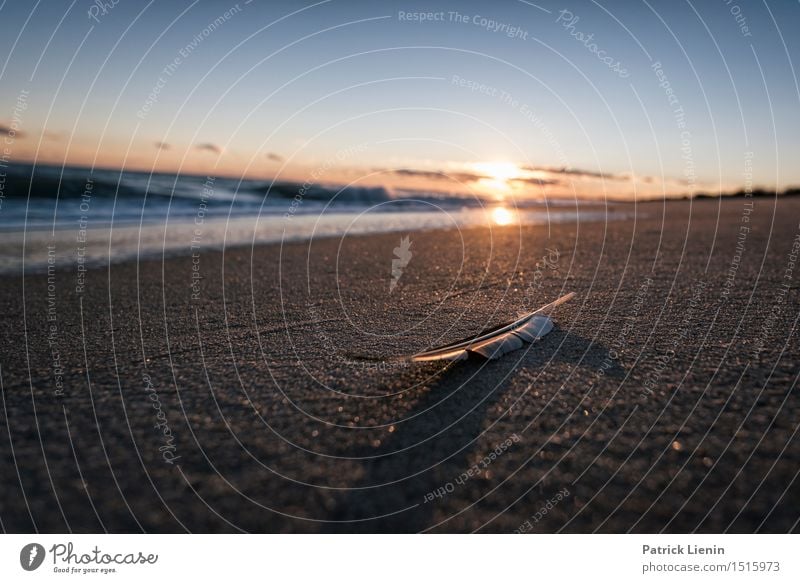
650	402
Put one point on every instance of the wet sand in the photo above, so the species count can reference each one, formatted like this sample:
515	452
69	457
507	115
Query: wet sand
246	391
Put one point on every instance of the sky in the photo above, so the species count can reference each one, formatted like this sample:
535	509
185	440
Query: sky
616	100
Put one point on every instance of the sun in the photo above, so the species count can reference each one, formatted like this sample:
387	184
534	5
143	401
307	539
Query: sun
498	171
496	177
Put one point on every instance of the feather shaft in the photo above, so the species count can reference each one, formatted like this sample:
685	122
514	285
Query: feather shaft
498	341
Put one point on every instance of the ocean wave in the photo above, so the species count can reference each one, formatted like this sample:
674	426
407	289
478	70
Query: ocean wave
53	196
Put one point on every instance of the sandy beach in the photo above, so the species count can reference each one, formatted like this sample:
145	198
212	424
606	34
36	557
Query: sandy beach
252	390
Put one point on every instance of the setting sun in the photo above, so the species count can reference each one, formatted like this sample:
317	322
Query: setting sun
499	171
496	175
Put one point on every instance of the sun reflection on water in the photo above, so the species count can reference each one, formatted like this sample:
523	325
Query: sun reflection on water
502	216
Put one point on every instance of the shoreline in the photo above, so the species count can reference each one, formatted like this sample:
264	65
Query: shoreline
187	237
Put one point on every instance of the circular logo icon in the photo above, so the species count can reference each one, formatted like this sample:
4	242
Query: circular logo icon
31	556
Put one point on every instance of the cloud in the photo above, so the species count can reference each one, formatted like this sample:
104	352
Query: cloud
10	132
594	175
434	175
53	136
529	176
576	172
274	157
162	146
537	181
208	147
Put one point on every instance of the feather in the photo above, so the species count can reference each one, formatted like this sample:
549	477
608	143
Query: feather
498	341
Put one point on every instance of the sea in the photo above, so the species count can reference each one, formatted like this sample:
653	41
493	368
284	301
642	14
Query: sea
66	216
